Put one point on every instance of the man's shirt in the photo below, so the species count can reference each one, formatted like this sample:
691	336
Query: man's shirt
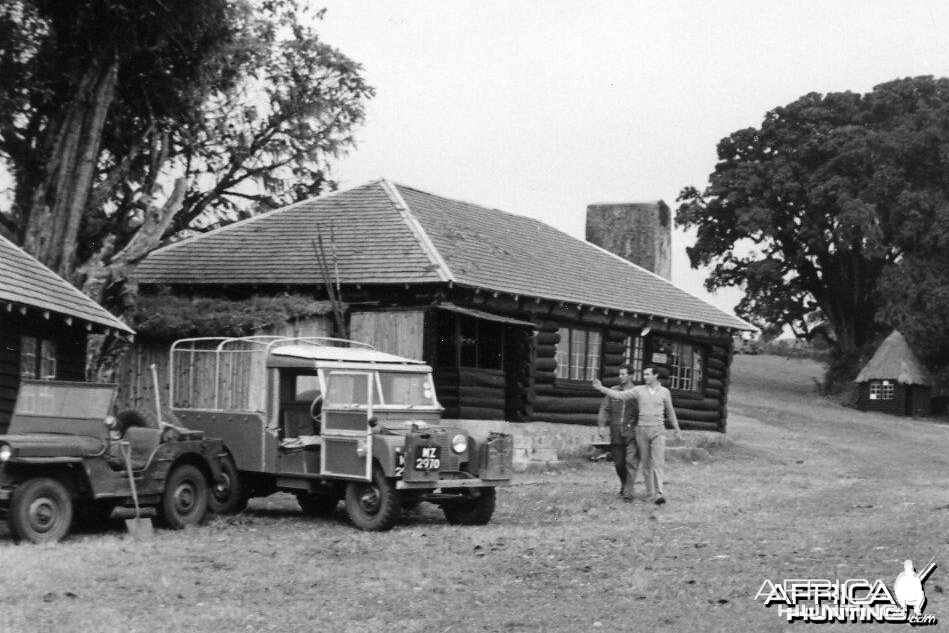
655	405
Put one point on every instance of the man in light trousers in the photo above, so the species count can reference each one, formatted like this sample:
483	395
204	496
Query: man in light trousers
655	406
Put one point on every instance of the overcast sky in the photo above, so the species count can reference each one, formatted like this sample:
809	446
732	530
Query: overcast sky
540	108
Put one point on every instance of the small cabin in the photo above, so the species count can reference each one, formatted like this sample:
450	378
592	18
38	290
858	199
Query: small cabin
45	323
895	381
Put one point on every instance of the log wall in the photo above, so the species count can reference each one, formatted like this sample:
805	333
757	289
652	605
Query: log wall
558	400
472	394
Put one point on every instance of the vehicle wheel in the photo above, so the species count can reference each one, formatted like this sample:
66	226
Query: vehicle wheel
228	496
317	505
185	500
373	505
40	511
476	510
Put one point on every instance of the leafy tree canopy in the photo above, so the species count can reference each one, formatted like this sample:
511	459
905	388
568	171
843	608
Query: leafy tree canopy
125	124
828	208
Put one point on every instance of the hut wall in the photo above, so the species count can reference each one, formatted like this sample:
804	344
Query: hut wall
9	371
894	406
70	352
397	332
920	400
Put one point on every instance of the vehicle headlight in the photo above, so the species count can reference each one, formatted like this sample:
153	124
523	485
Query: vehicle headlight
5	452
459	443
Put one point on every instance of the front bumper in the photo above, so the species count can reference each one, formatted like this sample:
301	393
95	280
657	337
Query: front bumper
451	483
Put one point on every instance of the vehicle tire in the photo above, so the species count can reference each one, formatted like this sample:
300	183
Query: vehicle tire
41	511
476	510
229	495
373	505
185	500
317	505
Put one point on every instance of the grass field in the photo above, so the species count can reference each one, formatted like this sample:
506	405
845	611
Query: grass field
804	488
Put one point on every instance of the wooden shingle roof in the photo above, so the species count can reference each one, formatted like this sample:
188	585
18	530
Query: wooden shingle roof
386	233
24	281
894	360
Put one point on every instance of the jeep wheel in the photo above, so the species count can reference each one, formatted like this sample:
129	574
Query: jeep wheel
40	511
185	500
316	505
474	510
228	495
374	505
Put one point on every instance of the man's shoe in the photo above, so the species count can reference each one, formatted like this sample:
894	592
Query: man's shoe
629	498
660	500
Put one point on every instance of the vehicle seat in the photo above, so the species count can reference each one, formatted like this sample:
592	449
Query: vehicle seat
297	420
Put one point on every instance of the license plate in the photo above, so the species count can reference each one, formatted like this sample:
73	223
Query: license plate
428	457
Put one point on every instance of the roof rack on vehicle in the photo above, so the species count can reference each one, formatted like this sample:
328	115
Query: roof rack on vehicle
233	346
268	341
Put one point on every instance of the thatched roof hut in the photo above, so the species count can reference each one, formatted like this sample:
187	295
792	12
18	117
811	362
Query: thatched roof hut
894	380
894	360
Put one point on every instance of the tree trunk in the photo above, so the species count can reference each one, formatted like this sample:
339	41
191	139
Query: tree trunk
106	270
73	141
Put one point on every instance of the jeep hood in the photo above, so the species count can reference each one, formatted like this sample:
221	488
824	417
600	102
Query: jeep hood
53	445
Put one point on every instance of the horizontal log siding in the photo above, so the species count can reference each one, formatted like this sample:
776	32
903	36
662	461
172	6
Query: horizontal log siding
573	402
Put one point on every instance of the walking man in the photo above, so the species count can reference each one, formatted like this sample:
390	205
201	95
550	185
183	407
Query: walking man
655	406
620	415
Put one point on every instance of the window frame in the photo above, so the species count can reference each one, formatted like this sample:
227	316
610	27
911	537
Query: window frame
690	378
634	355
567	350
882	390
39	358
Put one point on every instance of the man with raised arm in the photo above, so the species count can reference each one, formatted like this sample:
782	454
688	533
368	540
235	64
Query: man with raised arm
655	406
617	421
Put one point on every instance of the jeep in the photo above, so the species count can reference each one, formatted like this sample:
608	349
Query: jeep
331	420
62	460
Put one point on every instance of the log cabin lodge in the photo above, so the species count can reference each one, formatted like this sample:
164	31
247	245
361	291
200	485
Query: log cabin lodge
514	316
45	323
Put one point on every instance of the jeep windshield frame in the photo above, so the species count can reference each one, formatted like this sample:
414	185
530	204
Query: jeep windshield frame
61	399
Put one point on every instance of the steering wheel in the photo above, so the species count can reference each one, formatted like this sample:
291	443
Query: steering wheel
314	413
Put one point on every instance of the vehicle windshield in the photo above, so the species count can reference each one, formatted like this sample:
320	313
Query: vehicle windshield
387	388
56	401
406	389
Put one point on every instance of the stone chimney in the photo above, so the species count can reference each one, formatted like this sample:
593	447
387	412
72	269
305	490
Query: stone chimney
638	231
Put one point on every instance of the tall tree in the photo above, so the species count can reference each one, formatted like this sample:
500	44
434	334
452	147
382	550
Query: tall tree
65	67
229	112
807	212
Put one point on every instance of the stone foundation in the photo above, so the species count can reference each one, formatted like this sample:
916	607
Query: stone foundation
550	445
